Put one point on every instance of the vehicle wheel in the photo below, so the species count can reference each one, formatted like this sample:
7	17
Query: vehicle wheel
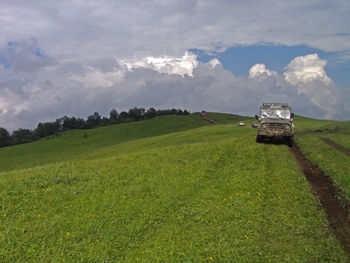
290	142
258	139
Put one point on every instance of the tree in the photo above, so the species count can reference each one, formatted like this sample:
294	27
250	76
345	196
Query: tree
123	116
151	113
67	123
23	136
104	121
5	137
137	113
94	120
179	112
48	128
113	116
79	123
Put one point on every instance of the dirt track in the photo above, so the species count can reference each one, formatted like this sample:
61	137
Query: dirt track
205	117
328	194
336	146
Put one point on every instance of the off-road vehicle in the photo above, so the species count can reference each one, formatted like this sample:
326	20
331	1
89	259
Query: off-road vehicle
275	123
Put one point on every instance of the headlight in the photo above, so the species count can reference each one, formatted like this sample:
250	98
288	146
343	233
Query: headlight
287	127
264	126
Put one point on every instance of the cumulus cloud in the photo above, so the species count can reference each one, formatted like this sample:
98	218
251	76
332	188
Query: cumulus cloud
307	73
214	62
70	88
171	65
260	70
305	69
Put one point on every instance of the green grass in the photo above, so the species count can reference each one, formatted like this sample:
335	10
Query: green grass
341	139
338	127
309	124
195	202
334	163
162	192
225	118
72	145
111	140
304	124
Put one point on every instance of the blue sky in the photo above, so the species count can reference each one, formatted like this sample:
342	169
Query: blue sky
241	58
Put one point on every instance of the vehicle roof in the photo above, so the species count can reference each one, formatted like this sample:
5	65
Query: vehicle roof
275	106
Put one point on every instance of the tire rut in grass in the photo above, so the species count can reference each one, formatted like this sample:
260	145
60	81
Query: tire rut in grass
330	198
206	117
336	146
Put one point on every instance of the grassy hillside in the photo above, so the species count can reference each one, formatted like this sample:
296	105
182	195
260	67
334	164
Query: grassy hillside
227	118
165	190
304	124
100	142
334	163
78	144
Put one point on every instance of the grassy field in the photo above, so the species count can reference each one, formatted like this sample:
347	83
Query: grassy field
166	190
334	163
341	139
78	144
224	118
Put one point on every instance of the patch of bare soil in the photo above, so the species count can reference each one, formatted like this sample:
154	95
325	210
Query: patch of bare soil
336	146
329	196
206	117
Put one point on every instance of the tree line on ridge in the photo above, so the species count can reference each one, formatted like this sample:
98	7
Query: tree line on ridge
65	123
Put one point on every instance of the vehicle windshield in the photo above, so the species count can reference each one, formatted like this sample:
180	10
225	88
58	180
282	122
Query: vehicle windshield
275	113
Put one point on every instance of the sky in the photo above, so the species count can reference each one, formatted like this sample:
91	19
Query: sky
77	57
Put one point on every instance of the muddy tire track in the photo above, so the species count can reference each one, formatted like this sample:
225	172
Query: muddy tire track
329	196
205	117
336	146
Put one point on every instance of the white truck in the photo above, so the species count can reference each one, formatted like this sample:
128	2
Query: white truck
275	123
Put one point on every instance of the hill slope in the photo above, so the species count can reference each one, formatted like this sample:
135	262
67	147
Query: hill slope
206	193
94	143
76	144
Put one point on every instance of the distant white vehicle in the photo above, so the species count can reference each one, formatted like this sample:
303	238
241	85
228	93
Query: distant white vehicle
241	123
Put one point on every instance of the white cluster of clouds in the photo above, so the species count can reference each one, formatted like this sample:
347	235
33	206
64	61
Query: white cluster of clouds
308	74
45	90
170	65
260	70
98	55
